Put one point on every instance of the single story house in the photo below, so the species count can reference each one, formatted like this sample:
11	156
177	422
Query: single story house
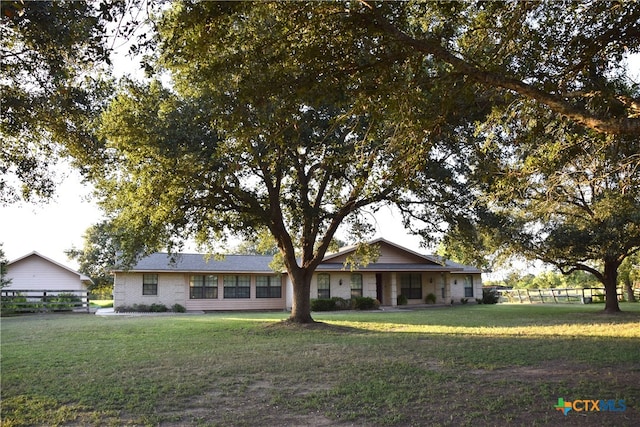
246	282
36	272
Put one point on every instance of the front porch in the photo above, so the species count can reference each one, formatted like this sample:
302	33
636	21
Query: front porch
415	286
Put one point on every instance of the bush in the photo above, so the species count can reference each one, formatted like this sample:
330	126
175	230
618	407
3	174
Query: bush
365	303
402	300
323	304
430	299
63	302
464	300
153	308
12	304
490	296
158	308
341	303
177	308
18	303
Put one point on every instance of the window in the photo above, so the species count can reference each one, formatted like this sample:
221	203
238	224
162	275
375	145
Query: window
356	285
411	285
149	284
468	286
268	287
237	286
203	286
324	286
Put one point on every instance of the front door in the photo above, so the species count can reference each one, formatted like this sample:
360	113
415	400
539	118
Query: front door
379	287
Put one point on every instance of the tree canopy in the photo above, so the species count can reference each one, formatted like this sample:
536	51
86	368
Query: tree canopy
98	256
556	192
556	159
52	55
262	127
567	56
294	117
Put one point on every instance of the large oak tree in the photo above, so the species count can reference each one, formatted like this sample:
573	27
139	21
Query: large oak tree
556	192
566	197
274	117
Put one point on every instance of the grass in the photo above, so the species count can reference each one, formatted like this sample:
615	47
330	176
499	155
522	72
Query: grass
101	303
467	365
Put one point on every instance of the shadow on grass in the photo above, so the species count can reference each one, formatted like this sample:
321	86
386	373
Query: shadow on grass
288	325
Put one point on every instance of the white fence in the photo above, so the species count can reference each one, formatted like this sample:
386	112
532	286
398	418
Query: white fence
554	295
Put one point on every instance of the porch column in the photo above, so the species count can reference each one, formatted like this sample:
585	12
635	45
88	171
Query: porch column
394	289
446	284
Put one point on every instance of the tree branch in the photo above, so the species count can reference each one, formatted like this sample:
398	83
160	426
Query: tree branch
433	46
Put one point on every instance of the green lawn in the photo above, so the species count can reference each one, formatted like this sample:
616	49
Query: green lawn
102	303
466	365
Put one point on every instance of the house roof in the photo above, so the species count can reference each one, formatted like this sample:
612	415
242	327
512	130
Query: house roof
195	263
461	268
199	263
349	249
381	267
35	253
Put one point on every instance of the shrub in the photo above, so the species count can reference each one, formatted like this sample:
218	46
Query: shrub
63	302
158	308
341	303
430	298
402	300
365	303
490	296
177	308
143	308
464	300
323	304
12	304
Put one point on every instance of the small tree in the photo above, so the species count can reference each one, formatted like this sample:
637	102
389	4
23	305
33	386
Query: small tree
629	272
4	281
98	256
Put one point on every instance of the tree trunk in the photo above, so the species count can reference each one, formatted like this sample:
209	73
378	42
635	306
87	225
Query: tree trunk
301	308
628	288
610	280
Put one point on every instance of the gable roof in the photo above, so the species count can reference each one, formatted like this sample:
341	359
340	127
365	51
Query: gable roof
381	241
469	269
37	254
389	266
195	263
